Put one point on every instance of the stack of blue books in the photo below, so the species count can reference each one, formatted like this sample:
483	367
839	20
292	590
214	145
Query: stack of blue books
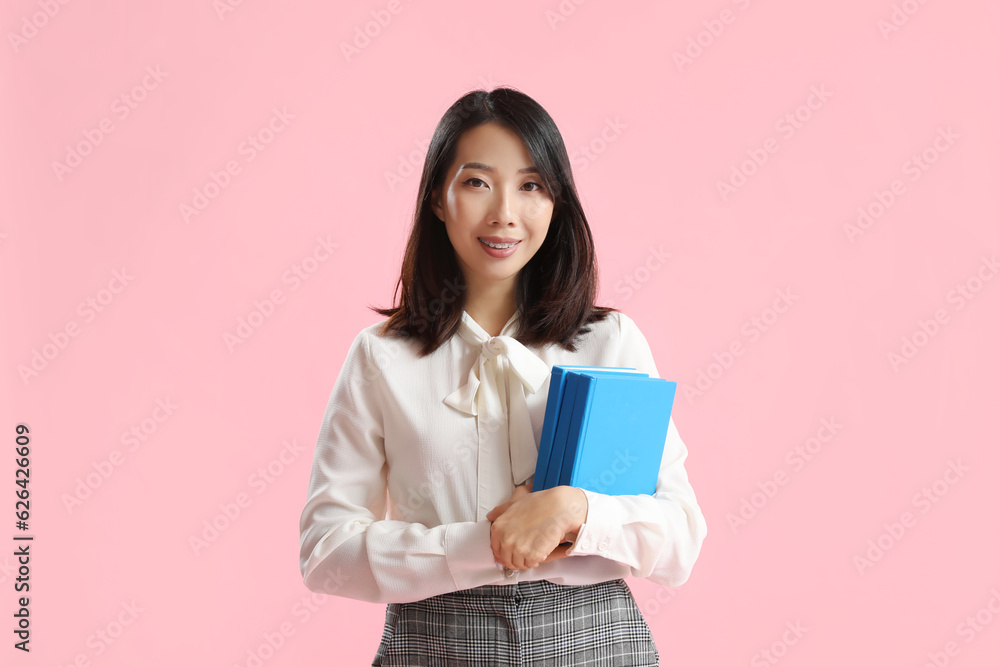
604	430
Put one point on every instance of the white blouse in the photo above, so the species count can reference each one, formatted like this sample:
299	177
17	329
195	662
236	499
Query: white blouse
414	452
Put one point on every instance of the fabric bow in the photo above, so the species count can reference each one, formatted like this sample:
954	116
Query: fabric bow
485	396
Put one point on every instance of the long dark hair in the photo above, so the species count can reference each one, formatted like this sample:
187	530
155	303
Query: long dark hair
555	291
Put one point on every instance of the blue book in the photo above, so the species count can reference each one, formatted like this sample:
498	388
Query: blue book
616	433
550	446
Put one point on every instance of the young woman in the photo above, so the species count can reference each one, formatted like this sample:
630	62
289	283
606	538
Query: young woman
420	492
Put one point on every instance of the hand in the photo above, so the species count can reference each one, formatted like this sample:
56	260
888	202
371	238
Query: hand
528	528
519	492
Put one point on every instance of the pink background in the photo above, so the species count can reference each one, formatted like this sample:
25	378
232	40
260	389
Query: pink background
652	137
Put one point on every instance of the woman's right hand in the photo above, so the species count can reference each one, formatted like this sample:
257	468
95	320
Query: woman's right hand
519	492
557	551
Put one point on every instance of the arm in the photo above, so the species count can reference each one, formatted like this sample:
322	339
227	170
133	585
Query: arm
660	536
347	547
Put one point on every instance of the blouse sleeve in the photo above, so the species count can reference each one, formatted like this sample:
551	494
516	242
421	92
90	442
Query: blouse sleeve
347	546
658	536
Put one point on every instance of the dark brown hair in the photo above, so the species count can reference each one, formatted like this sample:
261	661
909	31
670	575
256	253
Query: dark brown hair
555	290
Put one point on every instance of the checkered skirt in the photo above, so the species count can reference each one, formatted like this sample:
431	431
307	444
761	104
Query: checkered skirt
535	623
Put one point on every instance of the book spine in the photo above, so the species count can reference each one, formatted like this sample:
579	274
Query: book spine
552	404
552	472
578	429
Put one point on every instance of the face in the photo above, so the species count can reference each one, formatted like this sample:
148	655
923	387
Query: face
492	192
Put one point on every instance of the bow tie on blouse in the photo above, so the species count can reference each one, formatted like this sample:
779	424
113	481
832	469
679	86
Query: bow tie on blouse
504	366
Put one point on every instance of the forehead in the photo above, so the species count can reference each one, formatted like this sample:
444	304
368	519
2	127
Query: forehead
494	145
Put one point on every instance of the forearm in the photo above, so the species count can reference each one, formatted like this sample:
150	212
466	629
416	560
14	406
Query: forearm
396	561
658	538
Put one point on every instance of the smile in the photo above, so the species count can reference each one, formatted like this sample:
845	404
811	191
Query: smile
500	246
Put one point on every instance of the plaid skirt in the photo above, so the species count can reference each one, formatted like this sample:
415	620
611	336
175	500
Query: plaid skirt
524	623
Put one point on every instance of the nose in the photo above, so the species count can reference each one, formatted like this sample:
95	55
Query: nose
503	207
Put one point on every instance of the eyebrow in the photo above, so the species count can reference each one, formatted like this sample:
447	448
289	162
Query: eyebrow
486	167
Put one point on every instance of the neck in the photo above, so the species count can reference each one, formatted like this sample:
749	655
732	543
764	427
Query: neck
491	305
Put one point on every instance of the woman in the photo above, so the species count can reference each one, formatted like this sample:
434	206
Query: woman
420	492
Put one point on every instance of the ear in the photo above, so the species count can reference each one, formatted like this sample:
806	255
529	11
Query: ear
436	204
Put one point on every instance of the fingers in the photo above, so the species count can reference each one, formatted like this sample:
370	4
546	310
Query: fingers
519	491
504	556
495	544
522	563
507	556
497	511
501	553
520	532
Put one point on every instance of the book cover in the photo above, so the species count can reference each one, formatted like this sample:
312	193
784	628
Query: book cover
550	446
617	433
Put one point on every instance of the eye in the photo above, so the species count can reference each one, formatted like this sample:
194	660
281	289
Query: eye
475	179
537	185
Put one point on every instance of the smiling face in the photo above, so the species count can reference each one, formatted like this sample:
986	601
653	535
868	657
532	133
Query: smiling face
492	192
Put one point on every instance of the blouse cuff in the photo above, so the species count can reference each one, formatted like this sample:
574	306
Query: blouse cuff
601	528
469	554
